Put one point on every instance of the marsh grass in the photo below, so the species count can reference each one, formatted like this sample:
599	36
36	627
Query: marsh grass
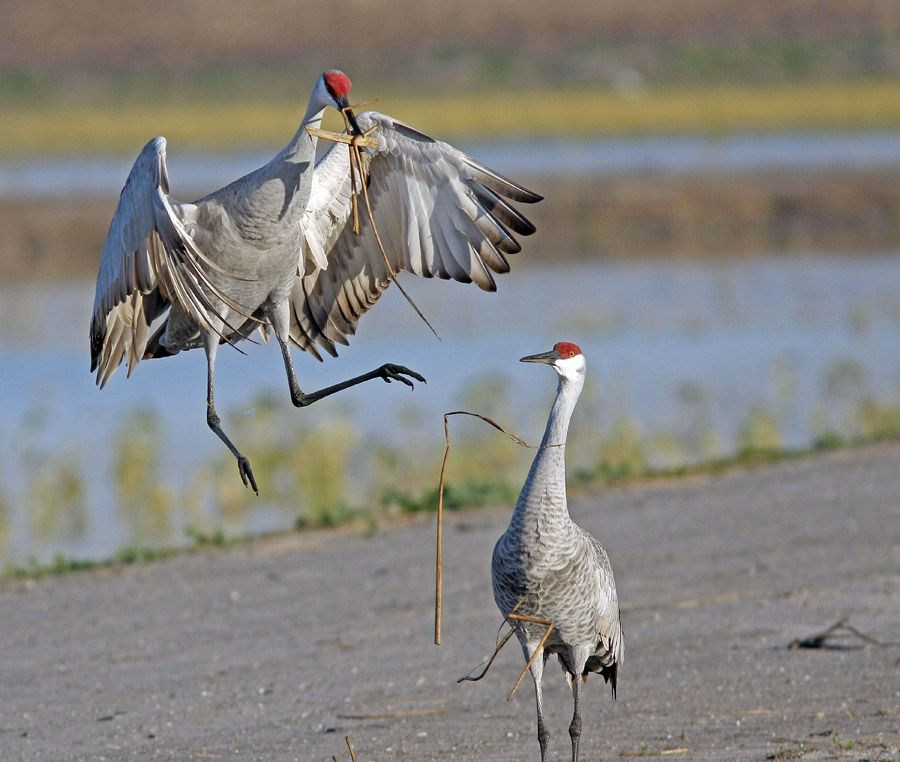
48	127
145	504
325	473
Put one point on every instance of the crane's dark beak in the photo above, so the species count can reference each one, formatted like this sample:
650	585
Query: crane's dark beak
547	357
351	117
354	125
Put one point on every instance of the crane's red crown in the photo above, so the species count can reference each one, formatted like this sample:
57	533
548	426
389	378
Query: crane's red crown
338	83
567	349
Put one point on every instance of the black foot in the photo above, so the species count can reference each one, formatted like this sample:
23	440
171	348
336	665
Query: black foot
390	372
246	473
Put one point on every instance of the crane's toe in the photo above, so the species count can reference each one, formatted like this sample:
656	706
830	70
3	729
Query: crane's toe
391	372
247	473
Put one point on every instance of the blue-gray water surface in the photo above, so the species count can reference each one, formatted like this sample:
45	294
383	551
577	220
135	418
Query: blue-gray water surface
807	340
201	172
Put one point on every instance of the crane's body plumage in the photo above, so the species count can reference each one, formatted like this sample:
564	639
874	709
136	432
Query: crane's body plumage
275	248
546	567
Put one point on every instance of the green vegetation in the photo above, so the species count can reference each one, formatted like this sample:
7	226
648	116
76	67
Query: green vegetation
35	569
325	474
462	494
52	128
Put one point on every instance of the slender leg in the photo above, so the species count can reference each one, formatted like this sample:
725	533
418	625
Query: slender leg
578	656
211	344
388	372
575	727
537	674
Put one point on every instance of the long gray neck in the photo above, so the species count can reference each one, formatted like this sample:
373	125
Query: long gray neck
302	147
544	495
567	393
267	203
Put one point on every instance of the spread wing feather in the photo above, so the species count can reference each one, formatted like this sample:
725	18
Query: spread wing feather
149	262
439	213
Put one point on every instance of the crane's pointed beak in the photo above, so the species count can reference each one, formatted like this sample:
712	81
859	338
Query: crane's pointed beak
545	357
351	117
354	125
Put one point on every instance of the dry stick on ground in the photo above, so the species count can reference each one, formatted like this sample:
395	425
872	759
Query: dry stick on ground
350	747
663	753
391	715
818	640
439	554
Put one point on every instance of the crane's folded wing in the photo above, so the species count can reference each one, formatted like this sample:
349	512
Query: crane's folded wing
439	214
606	602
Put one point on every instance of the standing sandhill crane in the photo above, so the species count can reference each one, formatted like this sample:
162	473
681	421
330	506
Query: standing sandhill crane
546	567
275	248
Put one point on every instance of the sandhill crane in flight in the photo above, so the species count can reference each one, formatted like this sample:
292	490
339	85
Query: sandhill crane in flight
546	567
275	248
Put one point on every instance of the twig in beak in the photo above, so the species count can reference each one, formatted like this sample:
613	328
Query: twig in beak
354	142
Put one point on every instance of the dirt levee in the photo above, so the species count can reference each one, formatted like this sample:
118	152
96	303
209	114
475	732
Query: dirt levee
277	649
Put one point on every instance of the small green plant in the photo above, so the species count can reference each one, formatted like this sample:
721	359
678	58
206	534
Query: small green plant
140	555
34	569
468	492
760	432
56	501
145	504
200	539
845	744
328	515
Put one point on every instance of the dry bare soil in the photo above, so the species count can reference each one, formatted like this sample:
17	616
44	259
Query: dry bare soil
277	649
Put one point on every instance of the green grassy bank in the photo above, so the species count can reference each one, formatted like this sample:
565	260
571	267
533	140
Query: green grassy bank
40	128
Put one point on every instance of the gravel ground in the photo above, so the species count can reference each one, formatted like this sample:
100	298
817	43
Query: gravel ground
277	649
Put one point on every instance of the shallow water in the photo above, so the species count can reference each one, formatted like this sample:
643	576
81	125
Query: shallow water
200	172
670	347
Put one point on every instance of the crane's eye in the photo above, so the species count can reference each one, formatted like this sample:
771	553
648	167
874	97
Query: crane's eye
571	353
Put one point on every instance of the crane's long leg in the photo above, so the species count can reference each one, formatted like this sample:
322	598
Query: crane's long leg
211	344
388	372
578	656
575	727
537	674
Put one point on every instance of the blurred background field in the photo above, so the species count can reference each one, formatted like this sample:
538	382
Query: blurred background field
720	232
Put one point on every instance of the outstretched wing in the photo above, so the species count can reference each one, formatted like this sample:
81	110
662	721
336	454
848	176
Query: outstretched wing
149	262
438	212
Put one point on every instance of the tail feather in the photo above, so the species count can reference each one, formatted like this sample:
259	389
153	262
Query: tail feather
611	676
609	673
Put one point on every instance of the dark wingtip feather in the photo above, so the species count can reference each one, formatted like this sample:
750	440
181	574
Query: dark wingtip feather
611	676
501	184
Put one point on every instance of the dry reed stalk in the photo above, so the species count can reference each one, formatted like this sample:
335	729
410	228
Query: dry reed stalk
497	647
663	753
520	618
549	626
439	553
392	715
350	747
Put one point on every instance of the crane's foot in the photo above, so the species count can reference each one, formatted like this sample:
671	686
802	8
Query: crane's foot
390	372
246	473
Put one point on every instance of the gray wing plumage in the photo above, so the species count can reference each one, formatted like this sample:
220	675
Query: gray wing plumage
606	609
586	601
438	212
149	262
